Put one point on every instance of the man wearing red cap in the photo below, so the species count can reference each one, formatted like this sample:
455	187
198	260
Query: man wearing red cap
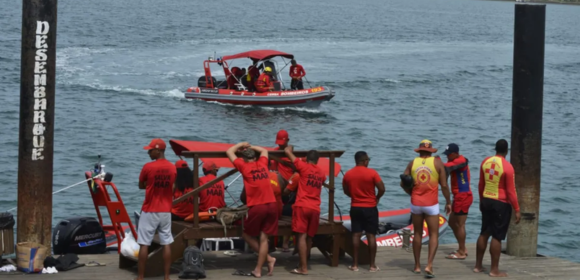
262	219
428	173
286	170
183	185
289	176
157	179
214	195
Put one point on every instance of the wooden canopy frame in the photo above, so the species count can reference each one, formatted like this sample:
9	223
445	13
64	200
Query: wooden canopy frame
274	155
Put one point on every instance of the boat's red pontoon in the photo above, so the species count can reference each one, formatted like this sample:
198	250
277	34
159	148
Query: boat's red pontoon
237	91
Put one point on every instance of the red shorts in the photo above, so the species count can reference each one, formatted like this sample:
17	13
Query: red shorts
305	220
462	202
262	218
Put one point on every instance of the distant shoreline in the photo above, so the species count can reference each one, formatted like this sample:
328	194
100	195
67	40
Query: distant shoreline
542	2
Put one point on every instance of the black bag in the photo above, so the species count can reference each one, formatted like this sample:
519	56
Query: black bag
192	265
6	221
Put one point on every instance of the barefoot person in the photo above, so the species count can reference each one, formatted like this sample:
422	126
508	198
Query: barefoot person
286	170
457	168
157	179
262	217
306	210
428	173
497	196
359	184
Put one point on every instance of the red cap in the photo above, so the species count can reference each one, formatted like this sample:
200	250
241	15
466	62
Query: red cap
281	137
209	165
156	144
181	163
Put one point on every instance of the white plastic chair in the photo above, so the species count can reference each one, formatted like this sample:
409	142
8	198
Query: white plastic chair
206	243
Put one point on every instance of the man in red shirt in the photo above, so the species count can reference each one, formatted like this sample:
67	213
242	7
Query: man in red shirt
456	167
262	219
157	179
296	73
359	184
306	210
286	170
497	197
264	82
214	196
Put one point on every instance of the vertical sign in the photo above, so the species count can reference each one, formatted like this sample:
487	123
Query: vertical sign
36	133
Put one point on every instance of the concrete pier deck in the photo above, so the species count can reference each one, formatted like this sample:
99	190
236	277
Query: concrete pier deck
395	264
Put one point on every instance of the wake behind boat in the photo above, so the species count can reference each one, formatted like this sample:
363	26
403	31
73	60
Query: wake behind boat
236	88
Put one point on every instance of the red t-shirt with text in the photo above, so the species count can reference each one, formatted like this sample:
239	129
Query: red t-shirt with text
297	71
212	196
284	170
256	181
310	185
159	176
362	181
184	208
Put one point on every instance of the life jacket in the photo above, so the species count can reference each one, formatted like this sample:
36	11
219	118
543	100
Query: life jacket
493	170
204	216
426	180
263	83
277	189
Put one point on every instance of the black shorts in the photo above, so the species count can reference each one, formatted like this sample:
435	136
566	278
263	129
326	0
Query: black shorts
296	84
364	219
495	218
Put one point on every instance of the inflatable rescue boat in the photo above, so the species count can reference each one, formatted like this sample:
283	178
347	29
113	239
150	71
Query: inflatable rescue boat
235	89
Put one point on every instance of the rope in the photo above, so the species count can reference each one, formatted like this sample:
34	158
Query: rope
100	176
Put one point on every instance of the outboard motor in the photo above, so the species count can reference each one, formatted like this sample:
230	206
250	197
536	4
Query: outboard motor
79	235
202	84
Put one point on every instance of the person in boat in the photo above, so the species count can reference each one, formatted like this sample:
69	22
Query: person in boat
183	184
428	173
359	184
457	168
296	73
306	210
252	77
232	79
157	179
264	82
214	196
497	197
262	218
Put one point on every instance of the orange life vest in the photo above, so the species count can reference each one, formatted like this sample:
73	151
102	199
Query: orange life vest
203	216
